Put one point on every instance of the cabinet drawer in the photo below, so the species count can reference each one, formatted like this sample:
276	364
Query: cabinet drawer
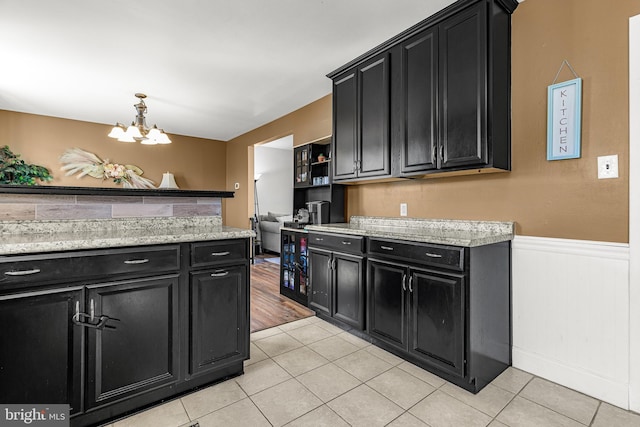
337	242
451	257
141	261
205	254
34	268
67	267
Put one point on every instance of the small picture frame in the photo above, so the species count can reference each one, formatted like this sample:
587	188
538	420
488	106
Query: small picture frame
564	124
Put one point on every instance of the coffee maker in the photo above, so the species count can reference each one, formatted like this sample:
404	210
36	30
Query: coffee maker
318	212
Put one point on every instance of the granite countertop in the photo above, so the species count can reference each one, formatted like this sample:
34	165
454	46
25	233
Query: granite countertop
440	231
23	237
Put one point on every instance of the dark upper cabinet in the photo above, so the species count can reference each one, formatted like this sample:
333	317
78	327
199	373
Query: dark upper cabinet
417	103
361	105
301	166
345	126
435	98
373	128
463	112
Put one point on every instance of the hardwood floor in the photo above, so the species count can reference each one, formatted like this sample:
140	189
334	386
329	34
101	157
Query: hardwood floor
268	307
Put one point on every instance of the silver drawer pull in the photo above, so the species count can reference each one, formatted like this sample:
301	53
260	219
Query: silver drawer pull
220	274
137	261
319	239
430	255
22	272
225	253
386	248
345	242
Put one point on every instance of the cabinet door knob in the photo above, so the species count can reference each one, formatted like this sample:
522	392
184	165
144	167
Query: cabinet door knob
22	272
410	283
136	261
404	281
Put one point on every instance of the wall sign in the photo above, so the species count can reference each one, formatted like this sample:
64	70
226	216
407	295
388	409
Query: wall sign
564	111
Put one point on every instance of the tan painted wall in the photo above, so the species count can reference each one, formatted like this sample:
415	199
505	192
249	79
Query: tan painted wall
306	124
562	199
553	199
197	164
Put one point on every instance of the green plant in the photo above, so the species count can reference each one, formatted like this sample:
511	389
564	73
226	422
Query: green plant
14	170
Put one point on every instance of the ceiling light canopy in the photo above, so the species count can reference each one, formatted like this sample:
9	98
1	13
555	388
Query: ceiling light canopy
138	130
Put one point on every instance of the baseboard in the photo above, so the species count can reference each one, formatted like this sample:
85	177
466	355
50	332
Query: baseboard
612	392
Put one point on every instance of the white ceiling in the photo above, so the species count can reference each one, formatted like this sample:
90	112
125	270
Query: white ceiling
211	68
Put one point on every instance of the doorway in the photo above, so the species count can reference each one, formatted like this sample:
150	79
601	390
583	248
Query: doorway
273	204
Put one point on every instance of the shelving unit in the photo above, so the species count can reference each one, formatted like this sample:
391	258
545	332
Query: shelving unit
313	180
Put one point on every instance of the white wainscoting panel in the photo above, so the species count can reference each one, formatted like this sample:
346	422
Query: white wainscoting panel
571	314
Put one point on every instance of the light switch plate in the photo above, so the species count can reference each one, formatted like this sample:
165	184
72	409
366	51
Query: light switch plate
608	167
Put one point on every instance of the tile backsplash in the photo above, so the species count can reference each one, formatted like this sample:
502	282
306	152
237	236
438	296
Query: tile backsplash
46	207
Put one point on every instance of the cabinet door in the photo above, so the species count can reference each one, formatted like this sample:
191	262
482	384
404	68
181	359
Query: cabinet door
320	280
141	353
437	319
418	101
462	89
345	115
301	168
40	350
374	142
218	313
386	290
287	262
348	289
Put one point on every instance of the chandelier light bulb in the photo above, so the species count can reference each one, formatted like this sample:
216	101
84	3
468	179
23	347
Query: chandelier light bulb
138	131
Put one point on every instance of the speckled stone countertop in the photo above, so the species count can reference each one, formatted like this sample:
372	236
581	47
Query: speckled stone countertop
23	237
441	231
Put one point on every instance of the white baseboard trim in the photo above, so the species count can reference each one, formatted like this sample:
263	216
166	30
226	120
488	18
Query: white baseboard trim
585	382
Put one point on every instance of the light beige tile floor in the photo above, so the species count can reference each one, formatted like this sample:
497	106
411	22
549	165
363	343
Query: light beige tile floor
311	373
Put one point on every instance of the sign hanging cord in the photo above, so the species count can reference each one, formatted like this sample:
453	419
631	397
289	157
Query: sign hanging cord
564	61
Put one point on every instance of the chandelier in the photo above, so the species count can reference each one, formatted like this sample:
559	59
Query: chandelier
138	130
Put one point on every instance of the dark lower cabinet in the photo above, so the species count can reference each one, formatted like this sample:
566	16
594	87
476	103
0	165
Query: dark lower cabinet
218	318
336	278
320	280
436	319
444	308
138	347
387	302
418	311
168	319
41	348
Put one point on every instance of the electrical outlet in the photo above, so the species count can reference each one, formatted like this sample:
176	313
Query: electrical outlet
403	209
608	167
236	185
